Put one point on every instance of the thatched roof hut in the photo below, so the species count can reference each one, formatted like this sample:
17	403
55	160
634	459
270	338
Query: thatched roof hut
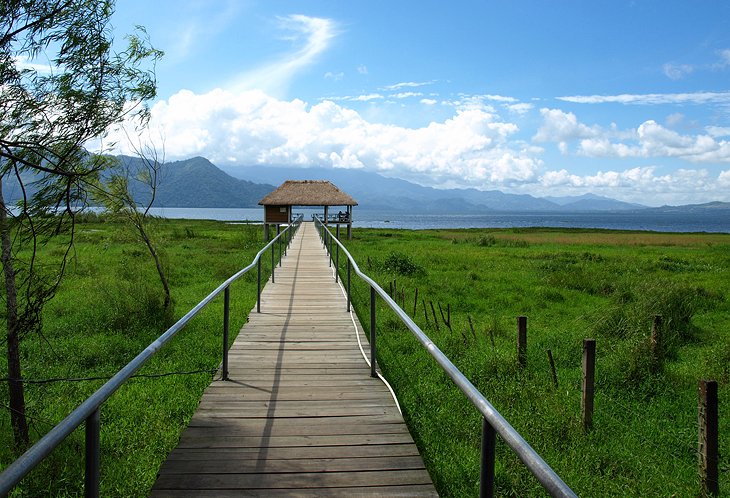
278	204
307	193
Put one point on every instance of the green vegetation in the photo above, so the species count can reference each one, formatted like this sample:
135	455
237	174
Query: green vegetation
108	309
572	284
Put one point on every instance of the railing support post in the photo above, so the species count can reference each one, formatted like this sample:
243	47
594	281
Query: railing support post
486	471
278	232
93	444
226	316
373	361
349	296
258	294
337	264
273	265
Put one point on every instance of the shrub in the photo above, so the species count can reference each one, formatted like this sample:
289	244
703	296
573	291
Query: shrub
401	264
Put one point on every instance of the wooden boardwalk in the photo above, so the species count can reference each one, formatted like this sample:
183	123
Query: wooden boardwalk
300	415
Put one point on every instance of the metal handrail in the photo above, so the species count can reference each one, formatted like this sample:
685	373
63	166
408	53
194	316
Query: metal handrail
88	411
492	422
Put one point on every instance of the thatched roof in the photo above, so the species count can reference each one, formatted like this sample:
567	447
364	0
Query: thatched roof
307	193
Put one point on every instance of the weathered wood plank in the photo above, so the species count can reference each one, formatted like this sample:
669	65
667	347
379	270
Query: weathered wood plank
300	415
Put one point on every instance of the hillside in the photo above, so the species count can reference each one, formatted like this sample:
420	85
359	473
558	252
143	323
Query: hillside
199	183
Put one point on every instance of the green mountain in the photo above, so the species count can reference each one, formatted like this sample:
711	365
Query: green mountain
197	183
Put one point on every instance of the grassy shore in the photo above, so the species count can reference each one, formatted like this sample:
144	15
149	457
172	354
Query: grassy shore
571	284
109	308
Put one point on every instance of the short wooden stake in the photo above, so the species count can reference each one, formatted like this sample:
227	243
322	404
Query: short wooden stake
425	312
707	442
435	319
552	368
471	326
415	303
589	376
522	341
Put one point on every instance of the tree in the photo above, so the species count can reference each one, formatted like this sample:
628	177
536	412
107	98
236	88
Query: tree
47	116
117	196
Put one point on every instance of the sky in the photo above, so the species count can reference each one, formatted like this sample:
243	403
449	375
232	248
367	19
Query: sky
626	99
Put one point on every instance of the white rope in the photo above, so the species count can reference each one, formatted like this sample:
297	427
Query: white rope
359	343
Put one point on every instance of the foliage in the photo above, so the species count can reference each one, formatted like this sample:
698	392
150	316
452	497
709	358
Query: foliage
107	310
47	117
571	284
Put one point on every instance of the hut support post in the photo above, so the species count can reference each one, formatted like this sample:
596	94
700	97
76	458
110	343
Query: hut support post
349	222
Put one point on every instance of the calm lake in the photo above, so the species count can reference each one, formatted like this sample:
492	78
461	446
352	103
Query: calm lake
659	222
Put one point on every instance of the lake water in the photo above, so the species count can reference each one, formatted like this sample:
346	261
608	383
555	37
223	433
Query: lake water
659	222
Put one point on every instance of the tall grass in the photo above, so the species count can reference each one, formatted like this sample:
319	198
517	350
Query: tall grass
571	285
109	308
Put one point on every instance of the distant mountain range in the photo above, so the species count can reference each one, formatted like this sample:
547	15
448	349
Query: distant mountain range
197	182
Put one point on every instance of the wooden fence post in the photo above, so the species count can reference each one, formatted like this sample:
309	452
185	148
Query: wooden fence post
522	341
589	371
552	368
707	444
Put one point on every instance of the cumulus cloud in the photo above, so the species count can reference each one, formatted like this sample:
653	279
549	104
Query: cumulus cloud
313	35
406	95
640	184
561	126
472	147
429	101
648	140
521	108
651	98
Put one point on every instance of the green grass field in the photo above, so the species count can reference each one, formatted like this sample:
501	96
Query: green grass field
108	309
571	284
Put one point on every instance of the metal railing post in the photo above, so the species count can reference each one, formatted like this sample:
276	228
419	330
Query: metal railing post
92	476
349	296
373	361
486	471
226	316
258	294
337	264
273	265
278	232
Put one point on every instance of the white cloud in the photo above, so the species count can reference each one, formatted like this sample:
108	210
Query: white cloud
407	84
362	69
651	98
677	71
406	95
560	126
718	131
649	140
366	98
471	148
429	101
314	33
22	62
642	185
501	98
334	76
521	108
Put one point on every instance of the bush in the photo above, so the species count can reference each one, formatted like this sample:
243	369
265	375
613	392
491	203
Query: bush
401	264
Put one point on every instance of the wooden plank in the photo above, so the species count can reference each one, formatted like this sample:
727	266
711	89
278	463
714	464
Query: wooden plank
251	466
300	415
426	490
292	480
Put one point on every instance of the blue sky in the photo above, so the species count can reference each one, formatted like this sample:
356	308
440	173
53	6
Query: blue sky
629	99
